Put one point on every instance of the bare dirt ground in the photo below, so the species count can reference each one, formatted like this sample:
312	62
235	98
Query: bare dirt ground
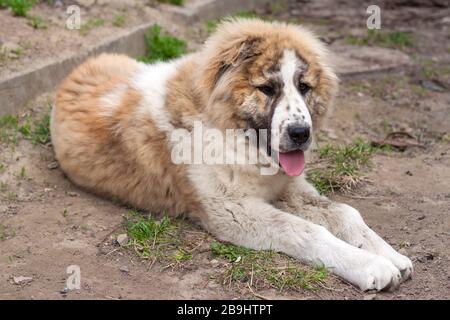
37	45
49	224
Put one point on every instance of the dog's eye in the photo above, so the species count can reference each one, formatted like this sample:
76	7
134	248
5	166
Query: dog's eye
267	89
303	88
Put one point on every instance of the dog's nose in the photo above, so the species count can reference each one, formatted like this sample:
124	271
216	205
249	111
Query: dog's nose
298	134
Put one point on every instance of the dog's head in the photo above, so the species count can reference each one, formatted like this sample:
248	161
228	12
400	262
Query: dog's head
272	76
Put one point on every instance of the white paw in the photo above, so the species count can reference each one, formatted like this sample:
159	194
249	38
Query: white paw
376	273
402	263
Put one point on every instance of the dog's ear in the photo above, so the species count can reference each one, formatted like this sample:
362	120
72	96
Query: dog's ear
228	56
241	51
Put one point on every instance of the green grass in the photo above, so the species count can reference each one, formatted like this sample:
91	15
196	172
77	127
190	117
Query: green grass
22	173
35	130
173	2
388	39
389	88
118	20
157	240
434	70
5	233
162	47
172	243
262	269
91	24
2	167
18	8
9	129
37	22
3	186
211	25
6	56
40	133
341	166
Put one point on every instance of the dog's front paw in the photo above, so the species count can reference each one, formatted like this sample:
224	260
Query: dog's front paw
402	263
377	274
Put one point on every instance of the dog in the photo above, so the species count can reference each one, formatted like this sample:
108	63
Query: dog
113	119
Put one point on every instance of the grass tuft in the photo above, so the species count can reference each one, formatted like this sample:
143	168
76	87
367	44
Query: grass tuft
37	22
9	129
91	24
35	130
162	47
173	2
391	39
119	20
18	8
265	269
340	166
158	240
6	233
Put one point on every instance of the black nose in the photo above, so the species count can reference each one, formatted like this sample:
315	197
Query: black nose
298	134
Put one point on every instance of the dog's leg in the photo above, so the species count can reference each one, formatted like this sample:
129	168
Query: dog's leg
341	220
255	224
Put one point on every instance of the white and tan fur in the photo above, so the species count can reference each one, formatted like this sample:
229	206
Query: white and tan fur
111	128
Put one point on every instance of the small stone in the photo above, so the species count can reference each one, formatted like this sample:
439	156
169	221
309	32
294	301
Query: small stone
432	85
22	280
421	217
122	239
124	269
370	296
72	194
214	261
52	166
64	291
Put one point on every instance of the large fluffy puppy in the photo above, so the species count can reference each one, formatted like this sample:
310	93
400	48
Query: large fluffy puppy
113	119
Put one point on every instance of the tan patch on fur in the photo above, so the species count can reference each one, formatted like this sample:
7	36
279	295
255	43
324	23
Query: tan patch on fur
121	155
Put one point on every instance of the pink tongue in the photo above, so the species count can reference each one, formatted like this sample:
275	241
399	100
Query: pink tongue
292	162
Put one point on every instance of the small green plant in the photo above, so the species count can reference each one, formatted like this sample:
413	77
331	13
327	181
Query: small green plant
392	39
2	167
3	186
6	233
19	8
35	130
118	20
37	22
174	2
434	70
9	126
152	238
23	172
91	24
341	166
262	269
162	47
40	133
